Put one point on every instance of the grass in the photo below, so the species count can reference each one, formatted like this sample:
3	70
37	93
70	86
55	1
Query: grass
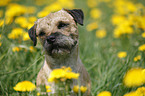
98	55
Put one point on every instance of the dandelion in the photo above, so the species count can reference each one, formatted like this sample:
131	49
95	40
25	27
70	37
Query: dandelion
143	34
38	94
76	89
72	75
140	91
15	33
137	58
24	86
48	88
95	13
14	49
0	43
32	49
142	47
31	10
117	19
21	19
4	2
42	13
14	10
92	26
104	93
122	54
32	19
133	93
83	89
134	77
25	36
1	13
1	22
91	3
101	33
62	73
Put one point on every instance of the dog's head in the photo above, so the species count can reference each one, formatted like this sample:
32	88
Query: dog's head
58	32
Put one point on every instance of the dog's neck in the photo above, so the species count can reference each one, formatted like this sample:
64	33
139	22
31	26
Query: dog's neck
69	61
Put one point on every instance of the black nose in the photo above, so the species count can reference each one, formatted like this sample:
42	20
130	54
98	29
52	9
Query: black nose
51	39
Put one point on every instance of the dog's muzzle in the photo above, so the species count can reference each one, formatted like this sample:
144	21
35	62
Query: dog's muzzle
57	43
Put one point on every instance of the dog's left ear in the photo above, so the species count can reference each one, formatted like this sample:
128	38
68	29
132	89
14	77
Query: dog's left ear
77	14
32	34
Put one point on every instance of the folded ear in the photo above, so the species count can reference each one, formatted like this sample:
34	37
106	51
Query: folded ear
32	34
77	14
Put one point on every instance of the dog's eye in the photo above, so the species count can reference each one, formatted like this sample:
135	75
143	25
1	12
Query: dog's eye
61	25
41	34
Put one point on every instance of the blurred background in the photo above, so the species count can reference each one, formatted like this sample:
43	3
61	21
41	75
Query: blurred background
111	41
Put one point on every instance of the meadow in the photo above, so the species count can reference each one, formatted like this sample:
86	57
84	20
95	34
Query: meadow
111	42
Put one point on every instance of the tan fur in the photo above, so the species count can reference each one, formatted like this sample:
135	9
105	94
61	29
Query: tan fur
61	58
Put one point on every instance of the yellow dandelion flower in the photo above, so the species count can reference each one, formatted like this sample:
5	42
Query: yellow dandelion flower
83	89
43	13
32	19
30	25
25	36
122	54
24	86
76	89
1	22
31	10
66	3
142	47
134	77
21	19
133	93
48	90
56	74
117	19
95	13
71	75
47	87
104	93
143	34
141	91
14	49
15	33
32	49
0	43
101	33
62	74
91	3
13	10
137	58
1	13
92	26
38	94
4	2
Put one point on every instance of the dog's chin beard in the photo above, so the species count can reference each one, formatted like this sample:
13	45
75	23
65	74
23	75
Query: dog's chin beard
57	50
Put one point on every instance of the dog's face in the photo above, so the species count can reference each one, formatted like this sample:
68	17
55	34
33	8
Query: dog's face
57	32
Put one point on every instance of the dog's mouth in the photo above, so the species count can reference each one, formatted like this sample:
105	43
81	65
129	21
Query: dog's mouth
59	49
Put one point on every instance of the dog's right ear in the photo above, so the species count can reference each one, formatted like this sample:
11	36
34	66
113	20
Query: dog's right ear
77	14
32	34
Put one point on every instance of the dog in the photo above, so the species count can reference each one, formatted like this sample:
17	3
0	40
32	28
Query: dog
58	34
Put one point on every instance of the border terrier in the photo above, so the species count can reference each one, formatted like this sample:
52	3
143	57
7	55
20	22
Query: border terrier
58	34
